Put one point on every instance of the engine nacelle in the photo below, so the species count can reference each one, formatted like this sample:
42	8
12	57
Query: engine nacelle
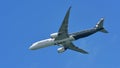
60	50
54	35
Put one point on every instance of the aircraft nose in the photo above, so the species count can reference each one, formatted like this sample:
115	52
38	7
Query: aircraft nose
34	46
31	48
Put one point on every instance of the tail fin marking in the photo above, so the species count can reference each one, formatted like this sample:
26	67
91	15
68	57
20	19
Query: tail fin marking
99	25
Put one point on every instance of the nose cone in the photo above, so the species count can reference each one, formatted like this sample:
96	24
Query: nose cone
31	48
34	46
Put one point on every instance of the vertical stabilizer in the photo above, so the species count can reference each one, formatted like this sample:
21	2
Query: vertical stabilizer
99	25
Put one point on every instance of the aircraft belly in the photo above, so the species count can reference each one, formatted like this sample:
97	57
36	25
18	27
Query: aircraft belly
57	42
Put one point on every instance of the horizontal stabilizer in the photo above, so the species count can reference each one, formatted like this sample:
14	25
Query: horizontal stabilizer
104	31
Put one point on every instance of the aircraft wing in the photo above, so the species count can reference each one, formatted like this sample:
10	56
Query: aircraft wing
63	31
71	46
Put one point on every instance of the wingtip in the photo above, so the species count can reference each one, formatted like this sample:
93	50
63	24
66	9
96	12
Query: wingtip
70	7
85	53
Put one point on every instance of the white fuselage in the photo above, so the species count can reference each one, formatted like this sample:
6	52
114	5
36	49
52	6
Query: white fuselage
49	42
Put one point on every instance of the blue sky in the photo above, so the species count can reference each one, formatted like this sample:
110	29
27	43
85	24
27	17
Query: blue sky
23	22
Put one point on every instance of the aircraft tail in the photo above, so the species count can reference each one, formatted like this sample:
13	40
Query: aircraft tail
99	25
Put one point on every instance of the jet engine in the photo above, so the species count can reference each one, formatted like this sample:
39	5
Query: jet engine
54	35
61	49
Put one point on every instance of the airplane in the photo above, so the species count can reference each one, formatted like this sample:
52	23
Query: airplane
63	39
